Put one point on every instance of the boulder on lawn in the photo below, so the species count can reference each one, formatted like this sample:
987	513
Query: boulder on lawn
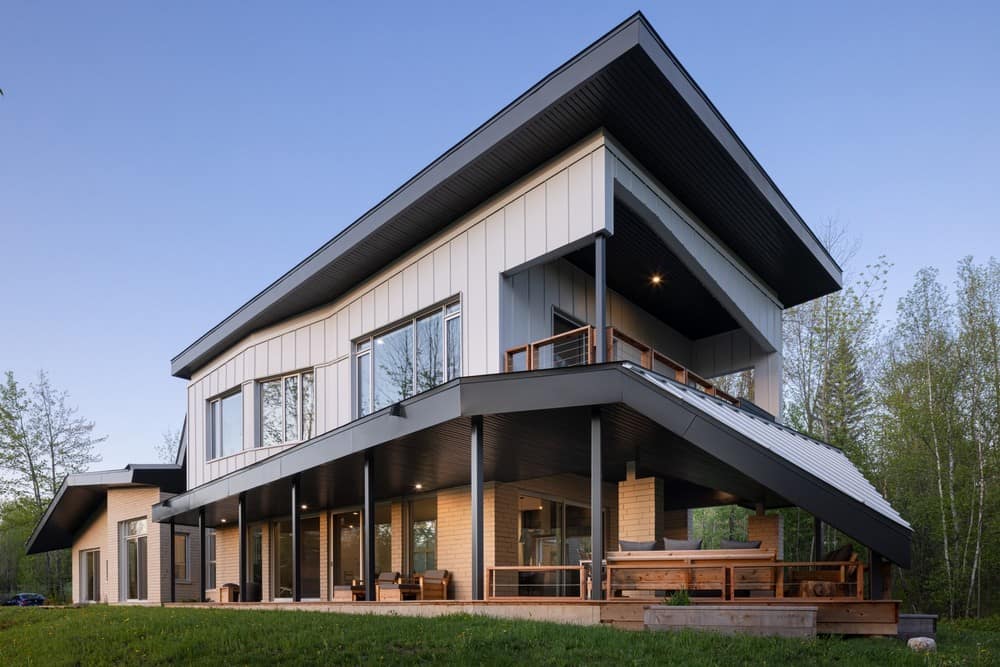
922	644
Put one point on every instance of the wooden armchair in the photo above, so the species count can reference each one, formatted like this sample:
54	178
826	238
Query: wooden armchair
434	584
828	580
385	578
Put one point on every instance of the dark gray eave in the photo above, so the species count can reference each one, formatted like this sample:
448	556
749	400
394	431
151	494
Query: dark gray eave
627	82
527	396
81	494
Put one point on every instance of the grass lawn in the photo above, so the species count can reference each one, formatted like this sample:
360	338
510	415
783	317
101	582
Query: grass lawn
157	636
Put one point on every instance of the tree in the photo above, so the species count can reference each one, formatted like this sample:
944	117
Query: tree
42	439
166	450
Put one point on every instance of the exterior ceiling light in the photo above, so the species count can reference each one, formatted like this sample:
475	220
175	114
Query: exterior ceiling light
223	520
656	280
418	486
304	507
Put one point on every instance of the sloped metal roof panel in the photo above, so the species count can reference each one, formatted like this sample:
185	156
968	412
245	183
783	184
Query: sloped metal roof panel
823	461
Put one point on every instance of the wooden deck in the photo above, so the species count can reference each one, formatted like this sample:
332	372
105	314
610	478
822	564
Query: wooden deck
834	617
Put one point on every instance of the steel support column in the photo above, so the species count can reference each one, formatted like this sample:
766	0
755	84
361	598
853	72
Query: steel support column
600	297
476	493
817	538
879	573
368	534
173	561
242	547
596	504
296	544
202	552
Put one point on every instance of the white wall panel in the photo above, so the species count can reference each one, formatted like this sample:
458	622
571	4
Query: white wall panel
561	203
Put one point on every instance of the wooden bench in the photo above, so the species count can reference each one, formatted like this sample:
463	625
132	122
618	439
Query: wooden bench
691	570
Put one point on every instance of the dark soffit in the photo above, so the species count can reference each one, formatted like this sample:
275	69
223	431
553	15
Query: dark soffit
627	82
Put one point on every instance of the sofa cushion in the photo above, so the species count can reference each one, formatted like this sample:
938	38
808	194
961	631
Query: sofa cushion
681	545
628	545
737	544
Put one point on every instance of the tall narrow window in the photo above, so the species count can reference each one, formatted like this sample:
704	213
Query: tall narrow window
287	410
415	356
210	559
423	535
181	557
225	425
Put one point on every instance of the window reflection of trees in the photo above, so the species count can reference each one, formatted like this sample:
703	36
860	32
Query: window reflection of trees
393	362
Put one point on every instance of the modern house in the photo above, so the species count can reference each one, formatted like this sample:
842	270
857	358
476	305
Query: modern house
504	368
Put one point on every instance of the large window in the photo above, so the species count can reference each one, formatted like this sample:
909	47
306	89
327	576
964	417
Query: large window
413	357
423	535
181	560
553	532
225	425
383	538
287	409
133	559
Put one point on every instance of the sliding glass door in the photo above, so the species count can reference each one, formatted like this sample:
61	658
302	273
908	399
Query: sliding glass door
309	562
90	576
134	560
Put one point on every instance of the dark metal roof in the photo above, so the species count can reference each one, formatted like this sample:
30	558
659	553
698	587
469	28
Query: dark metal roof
536	424
82	494
627	82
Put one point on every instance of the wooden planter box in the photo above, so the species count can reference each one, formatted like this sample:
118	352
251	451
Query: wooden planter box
766	620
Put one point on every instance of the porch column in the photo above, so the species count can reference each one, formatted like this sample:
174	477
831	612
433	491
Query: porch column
879	575
368	534
476	493
241	519
817	538
596	515
600	297
173	561
202	550
296	544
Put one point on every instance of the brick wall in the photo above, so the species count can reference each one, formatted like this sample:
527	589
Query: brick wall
770	530
640	509
93	536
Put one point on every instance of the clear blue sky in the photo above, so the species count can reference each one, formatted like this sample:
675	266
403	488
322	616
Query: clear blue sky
161	163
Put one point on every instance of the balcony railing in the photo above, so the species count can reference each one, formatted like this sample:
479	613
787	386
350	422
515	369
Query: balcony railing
578	348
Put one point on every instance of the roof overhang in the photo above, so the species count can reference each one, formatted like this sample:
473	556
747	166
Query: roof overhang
627	82
536	424
82	494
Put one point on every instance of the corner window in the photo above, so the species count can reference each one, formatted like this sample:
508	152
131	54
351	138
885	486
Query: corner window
225	425
181	557
287	409
415	356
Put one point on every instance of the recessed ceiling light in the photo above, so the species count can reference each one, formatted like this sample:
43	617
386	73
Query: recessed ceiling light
656	279
418	486
223	521
305	507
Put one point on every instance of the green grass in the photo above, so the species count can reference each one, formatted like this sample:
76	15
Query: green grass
157	636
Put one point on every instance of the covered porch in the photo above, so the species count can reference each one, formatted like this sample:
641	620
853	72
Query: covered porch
638	445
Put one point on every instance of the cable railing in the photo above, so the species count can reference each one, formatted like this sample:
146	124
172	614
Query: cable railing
578	346
552	582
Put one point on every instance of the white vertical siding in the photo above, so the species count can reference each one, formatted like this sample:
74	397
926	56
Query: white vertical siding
560	204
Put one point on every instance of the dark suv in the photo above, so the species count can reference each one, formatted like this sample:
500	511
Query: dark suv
26	600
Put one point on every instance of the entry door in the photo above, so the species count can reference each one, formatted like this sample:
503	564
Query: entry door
346	566
90	576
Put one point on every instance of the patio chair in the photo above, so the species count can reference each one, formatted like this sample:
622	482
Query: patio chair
434	584
385	578
836	576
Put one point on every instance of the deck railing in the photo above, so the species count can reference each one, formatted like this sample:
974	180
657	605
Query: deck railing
578	347
538	582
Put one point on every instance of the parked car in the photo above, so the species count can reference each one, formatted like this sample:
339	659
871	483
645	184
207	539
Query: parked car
26	600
